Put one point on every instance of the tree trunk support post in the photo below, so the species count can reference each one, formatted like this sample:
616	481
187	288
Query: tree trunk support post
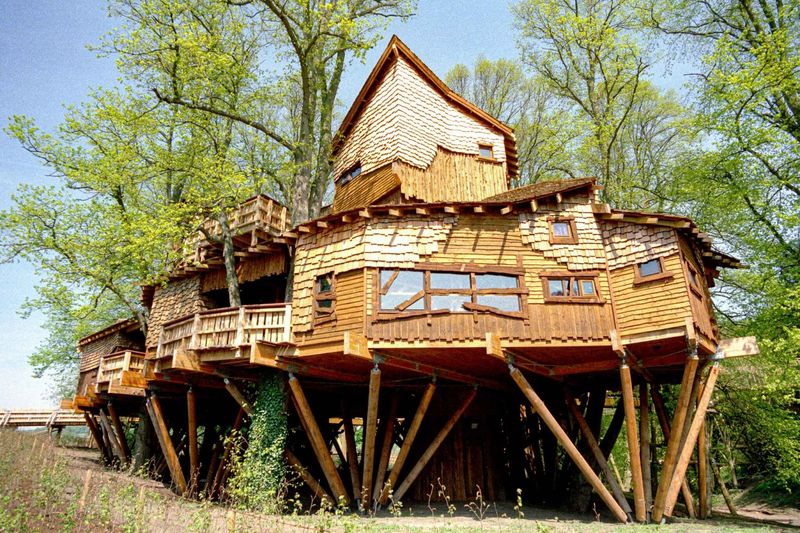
352	452
167	448
633	442
408	440
644	436
237	395
386	449
676	436
318	442
562	437
113	440
120	431
98	437
433	446
370	430
691	439
598	454
194	452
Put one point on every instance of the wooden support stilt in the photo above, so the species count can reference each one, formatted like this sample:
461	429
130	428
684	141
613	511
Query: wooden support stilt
237	395
703	472
98	437
723	488
639	505
432	447
113	440
598	454
675	437
612	432
309	480
370	430
408	440
352	453
386	449
167	448
663	420
211	471
644	436
194	452
226	454
318	442
556	429
118	429
691	439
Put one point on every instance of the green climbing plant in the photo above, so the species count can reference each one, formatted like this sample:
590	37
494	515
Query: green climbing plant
259	477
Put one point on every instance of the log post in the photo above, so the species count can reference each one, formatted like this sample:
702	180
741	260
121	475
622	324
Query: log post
675	437
432	447
703	471
167	448
113	440
408	440
98	438
352	453
663	420
318	442
691	440
309	480
120	431
370	430
386	449
237	395
723	488
633	442
598	454
644	436
219	475
194	452
547	417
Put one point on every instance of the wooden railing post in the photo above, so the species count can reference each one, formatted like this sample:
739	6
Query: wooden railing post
126	361
240	328
160	349
287	323
194	343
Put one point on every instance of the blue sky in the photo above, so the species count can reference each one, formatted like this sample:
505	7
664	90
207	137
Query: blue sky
45	65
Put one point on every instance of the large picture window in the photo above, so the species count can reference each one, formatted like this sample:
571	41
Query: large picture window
428	291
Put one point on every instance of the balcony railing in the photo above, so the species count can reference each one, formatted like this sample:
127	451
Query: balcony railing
227	328
113	365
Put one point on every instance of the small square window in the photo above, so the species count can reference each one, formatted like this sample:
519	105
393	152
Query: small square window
324	283
563	231
587	287
650	268
486	151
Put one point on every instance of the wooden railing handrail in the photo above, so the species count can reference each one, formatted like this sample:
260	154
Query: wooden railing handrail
248	307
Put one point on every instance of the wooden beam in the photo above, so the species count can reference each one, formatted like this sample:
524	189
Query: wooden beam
238	396
386	448
309	480
318	442
598	454
738	347
217	483
675	437
633	442
120	431
562	437
370	430
432	447
663	421
98	438
703	472
408	440
112	438
352	452
691	440
644	437
194	452
157	417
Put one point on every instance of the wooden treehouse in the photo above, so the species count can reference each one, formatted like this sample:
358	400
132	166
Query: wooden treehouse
476	332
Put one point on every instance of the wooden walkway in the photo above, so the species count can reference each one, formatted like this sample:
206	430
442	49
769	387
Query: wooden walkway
49	418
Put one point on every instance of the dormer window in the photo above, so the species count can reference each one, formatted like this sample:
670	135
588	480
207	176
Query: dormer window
562	230
486	151
351	173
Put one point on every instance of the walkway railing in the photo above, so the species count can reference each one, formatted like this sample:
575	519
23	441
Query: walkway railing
113	365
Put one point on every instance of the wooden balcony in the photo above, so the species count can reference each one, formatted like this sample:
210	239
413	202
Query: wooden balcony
254	224
121	373
227	333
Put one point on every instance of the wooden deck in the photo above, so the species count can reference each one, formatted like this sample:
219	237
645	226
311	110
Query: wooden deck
224	334
121	373
49	418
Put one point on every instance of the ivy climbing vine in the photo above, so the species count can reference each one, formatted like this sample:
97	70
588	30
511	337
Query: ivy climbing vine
260	473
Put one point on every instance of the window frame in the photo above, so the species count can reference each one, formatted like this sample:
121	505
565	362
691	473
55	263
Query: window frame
485	145
587	275
324	315
347	176
694	284
426	292
638	279
572	238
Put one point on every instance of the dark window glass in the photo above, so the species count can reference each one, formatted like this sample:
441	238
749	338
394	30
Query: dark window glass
495	281
453	302
503	302
486	151
693	277
650	268
448	280
324	283
561	229
326	304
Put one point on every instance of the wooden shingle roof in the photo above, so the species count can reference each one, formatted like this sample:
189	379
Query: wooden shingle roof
541	189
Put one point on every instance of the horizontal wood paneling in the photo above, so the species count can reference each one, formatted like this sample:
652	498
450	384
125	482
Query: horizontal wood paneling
365	189
349	309
702	311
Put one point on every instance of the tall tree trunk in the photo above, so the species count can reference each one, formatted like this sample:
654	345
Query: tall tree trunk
143	441
229	258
